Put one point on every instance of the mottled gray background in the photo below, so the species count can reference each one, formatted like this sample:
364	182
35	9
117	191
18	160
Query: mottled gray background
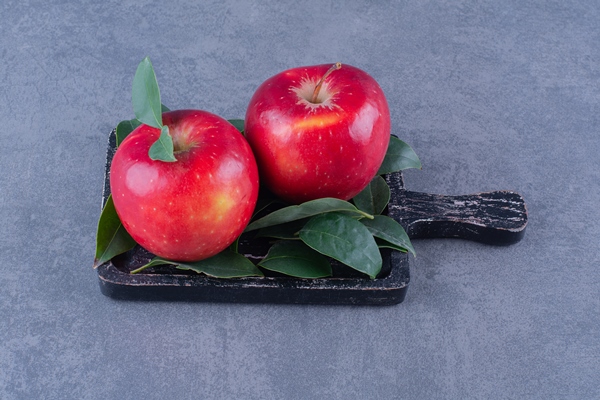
491	95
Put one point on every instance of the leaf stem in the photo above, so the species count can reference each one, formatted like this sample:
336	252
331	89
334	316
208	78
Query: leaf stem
140	269
364	214
235	245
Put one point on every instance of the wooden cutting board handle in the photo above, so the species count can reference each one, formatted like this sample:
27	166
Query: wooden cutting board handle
496	217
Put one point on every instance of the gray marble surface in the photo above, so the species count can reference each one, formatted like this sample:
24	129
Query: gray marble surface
491	95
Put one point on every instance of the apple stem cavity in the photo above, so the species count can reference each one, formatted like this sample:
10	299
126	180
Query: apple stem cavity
315	95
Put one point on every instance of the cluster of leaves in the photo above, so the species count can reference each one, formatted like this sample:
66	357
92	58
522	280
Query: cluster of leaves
307	236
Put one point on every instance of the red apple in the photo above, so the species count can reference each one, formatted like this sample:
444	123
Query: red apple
193	208
315	137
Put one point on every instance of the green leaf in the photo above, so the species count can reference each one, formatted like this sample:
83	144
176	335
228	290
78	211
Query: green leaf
156	261
389	230
289	230
294	258
375	197
399	156
145	95
111	238
304	210
226	264
384	244
235	245
125	128
162	149
238	123
345	239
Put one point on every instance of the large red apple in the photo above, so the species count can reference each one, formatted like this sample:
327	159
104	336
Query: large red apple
192	208
315	137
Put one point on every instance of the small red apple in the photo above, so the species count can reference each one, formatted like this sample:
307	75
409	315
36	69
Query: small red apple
195	207
318	131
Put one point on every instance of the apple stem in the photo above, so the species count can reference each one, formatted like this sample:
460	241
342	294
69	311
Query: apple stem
334	67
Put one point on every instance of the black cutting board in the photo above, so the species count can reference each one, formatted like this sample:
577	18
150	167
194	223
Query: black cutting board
497	218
